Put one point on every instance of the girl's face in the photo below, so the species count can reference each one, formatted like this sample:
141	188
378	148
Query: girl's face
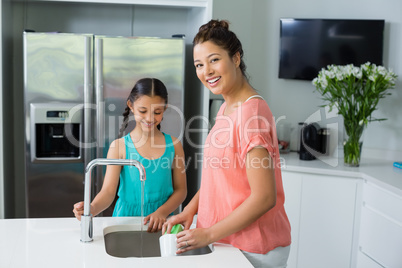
215	68
148	111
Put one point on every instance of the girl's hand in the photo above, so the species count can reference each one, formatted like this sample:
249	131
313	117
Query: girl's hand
78	209
156	221
186	219
192	239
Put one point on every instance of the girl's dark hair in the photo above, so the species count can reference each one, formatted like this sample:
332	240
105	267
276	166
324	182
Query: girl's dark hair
144	87
217	31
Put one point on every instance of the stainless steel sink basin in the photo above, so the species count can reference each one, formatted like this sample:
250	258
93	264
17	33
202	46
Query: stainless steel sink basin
128	241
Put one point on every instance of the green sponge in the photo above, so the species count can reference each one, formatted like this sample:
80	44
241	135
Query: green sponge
176	229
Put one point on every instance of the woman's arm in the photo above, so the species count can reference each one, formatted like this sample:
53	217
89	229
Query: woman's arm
261	177
157	218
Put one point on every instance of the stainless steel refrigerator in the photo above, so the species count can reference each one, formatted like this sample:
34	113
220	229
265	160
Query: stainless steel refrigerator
75	91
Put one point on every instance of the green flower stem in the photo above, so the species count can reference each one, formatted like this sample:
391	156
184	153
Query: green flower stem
353	144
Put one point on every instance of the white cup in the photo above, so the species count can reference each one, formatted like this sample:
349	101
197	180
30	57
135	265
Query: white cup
167	244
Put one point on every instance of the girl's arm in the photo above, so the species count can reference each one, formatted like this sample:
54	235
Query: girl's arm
157	218
111	181
261	177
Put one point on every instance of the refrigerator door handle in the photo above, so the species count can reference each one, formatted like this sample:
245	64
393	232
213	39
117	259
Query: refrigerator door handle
100	113
99	102
88	101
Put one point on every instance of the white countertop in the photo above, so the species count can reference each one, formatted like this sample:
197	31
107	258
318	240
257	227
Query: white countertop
378	171
55	242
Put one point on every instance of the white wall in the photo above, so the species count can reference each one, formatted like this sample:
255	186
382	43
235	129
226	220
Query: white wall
257	25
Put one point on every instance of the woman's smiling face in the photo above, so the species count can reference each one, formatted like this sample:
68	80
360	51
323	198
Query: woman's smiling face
215	68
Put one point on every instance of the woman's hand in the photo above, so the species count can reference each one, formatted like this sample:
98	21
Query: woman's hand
78	209
156	221
192	239
186	219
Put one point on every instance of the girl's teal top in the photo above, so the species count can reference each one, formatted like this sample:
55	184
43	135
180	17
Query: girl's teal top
158	184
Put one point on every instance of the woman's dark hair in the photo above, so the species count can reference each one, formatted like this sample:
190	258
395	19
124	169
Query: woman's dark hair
144	87
217	31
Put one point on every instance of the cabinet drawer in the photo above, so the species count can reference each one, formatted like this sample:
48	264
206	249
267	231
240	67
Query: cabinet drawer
365	262
382	200
381	238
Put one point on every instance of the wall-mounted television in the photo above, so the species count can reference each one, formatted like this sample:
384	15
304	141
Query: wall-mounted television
308	45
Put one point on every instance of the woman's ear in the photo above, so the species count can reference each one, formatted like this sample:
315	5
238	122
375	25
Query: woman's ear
236	59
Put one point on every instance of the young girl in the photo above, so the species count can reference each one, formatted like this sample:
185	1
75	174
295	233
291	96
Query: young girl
161	155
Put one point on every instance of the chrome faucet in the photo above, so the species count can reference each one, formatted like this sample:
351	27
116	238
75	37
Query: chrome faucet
86	218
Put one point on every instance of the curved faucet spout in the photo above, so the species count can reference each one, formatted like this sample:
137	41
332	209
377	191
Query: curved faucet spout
86	218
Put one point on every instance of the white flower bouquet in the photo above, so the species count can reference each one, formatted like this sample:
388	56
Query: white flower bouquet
355	92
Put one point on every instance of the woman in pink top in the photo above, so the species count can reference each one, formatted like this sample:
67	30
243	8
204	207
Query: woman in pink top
240	201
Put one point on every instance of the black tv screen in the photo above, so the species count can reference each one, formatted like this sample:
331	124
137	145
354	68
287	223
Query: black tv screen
308	45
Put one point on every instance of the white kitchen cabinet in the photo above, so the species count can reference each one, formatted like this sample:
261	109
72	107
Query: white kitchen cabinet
380	227
292	186
363	261
322	211
166	3
327	219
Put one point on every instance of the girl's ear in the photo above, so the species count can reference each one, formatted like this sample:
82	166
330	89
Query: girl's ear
130	105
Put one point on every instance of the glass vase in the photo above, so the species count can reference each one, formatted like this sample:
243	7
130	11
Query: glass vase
352	145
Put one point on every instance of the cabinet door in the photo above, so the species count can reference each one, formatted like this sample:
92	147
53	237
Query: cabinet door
292	187
381	226
327	218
